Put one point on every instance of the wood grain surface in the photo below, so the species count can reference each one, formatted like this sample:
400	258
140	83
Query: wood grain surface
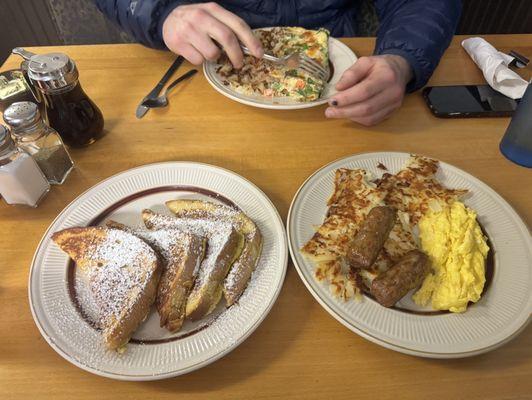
299	351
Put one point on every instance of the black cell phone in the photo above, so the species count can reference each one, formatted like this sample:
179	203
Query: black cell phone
470	101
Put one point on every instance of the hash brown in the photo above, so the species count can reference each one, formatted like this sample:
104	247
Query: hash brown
412	191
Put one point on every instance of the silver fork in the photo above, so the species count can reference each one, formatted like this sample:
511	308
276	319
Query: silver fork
297	60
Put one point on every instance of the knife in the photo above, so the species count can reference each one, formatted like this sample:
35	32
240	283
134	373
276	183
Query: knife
142	109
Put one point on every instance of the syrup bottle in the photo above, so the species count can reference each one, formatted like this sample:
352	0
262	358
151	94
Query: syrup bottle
68	108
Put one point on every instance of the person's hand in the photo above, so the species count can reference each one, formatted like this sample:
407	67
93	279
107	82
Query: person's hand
189	31
371	89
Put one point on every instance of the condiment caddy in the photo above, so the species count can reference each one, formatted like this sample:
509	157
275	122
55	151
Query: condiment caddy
33	156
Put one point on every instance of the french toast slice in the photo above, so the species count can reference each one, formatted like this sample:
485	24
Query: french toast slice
224	246
240	273
181	254
123	273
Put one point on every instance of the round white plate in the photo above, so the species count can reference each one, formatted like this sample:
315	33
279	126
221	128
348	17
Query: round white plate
340	56
502	312
154	353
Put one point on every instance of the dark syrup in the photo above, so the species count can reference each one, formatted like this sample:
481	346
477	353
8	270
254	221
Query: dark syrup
74	116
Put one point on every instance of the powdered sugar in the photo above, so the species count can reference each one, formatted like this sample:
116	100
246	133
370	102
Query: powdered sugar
173	245
166	241
243	267
119	274
85	298
234	276
228	317
197	226
216	231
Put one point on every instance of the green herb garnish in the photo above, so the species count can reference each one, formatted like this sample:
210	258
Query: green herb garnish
291	72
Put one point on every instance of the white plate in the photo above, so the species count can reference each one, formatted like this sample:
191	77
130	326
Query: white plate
162	355
502	312
340	56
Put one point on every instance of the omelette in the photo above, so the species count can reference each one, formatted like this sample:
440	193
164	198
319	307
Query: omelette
263	78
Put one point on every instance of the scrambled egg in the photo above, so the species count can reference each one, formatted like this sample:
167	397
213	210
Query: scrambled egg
457	249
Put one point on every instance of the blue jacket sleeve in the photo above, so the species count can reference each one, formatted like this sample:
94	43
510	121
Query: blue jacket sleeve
141	19
418	30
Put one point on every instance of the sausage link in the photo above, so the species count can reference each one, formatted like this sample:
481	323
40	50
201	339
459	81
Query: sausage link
407	274
367	243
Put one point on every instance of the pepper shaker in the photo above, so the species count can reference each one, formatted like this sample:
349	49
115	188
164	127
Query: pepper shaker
39	140
21	180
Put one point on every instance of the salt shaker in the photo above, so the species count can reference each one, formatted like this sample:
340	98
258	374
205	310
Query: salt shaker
21	180
39	140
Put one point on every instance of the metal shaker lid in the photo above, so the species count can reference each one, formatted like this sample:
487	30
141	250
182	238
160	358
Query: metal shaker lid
6	143
51	66
49	71
22	114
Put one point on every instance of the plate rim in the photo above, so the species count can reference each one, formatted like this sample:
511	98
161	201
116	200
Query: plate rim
402	349
279	107
284	254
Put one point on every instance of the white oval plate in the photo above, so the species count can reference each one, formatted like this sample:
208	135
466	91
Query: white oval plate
502	312
341	57
122	197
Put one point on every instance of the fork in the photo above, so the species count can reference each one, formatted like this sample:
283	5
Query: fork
162	101
297	60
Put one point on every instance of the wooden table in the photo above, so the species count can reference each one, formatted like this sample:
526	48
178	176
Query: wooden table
299	351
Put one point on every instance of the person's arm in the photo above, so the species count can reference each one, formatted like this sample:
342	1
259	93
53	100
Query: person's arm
417	30
198	32
411	40
141	19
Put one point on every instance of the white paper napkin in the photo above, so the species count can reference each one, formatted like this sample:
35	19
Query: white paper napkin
494	65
